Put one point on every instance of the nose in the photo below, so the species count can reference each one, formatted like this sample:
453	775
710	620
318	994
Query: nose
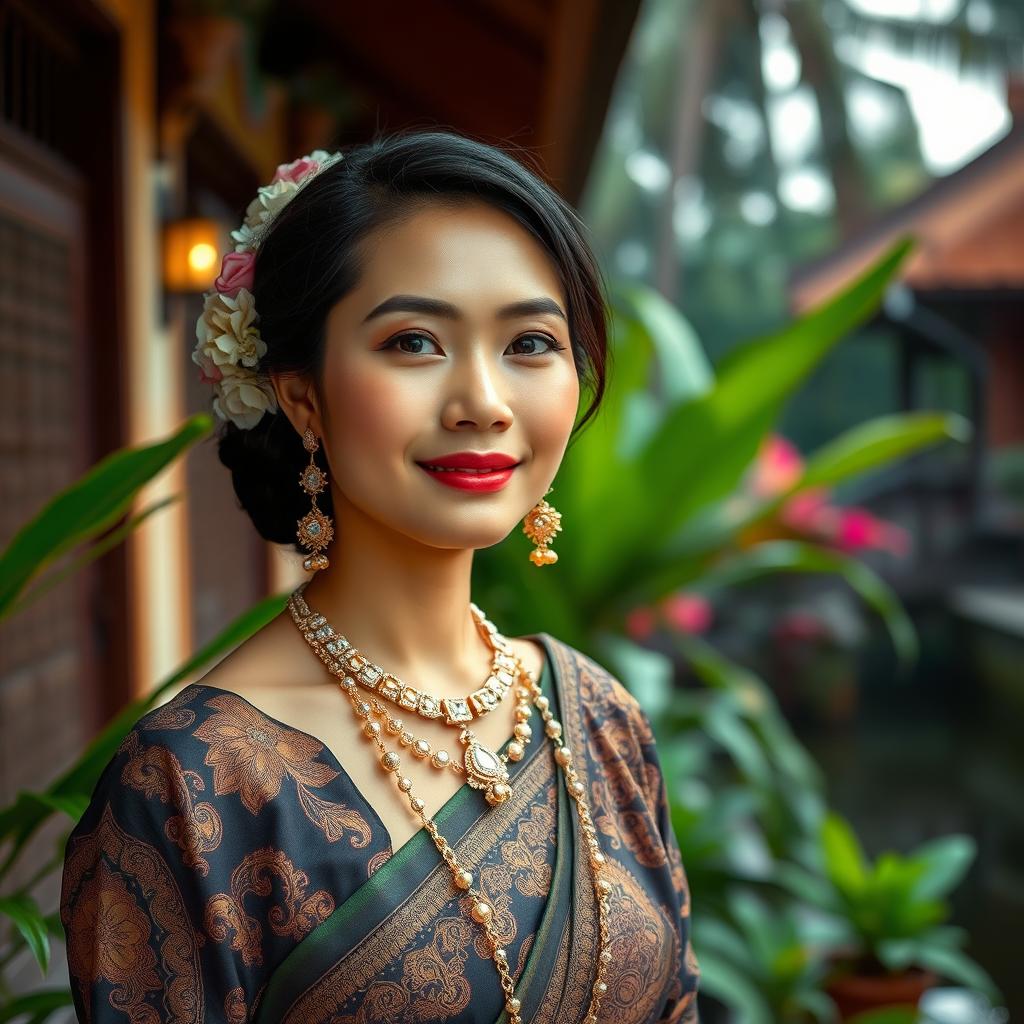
476	397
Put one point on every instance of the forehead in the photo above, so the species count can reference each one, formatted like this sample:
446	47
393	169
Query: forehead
471	250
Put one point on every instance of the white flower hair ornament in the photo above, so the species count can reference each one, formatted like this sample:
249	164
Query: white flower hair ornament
228	343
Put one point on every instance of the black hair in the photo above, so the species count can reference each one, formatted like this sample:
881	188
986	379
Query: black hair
312	256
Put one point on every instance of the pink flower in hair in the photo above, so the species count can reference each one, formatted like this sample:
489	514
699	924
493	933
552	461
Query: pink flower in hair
236	271
297	171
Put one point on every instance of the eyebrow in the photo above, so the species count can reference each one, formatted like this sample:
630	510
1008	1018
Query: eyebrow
438	307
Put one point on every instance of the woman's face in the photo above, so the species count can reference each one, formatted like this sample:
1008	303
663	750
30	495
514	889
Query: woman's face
404	385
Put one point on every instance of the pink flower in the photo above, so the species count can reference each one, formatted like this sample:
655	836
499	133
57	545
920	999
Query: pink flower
689	613
854	529
778	466
806	510
236	271
209	371
297	171
640	623
857	529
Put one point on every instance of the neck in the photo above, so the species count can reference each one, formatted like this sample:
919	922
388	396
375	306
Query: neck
405	605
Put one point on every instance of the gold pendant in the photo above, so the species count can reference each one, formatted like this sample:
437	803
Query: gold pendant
484	769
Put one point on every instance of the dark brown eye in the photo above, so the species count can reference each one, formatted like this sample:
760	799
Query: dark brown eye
553	346
409	335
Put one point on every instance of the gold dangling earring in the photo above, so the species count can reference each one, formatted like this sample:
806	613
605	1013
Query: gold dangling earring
316	530
541	524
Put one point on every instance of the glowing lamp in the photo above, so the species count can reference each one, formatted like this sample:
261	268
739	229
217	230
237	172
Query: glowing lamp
192	251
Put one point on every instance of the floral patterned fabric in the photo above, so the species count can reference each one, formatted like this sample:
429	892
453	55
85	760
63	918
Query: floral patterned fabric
227	869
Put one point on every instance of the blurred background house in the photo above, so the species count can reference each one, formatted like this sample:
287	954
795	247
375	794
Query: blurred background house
744	157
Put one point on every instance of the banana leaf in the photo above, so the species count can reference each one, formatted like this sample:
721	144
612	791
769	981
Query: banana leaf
88	506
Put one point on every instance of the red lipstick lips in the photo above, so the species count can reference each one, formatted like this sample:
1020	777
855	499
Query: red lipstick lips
471	471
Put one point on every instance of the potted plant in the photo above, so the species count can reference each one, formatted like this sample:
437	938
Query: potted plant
893	942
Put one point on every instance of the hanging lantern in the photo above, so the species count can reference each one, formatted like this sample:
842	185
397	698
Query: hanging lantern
192	252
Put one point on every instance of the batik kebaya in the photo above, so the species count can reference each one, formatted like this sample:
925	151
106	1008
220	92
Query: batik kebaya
228	869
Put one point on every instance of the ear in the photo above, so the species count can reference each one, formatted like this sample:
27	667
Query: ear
298	401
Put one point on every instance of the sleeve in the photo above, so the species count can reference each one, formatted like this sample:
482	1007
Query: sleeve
134	937
681	1007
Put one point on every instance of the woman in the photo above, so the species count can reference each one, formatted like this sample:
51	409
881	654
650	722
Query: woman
267	848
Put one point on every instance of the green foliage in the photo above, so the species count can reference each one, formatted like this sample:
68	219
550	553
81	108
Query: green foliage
891	910
81	512
898	896
35	1007
22	910
759	961
651	500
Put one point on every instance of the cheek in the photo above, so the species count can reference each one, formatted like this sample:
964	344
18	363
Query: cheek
373	419
550	412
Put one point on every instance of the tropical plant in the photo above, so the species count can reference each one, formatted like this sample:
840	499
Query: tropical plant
653	504
768	955
891	912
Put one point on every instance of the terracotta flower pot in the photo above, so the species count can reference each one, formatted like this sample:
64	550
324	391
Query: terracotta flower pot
857	993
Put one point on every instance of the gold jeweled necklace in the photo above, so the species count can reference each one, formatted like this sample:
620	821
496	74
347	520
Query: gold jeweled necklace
484	768
455	710
316	631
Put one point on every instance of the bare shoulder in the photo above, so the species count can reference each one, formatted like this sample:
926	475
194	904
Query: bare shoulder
270	668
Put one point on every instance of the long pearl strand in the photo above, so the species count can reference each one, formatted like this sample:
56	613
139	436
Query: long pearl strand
482	912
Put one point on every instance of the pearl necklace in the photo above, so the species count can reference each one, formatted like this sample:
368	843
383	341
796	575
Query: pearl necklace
308	623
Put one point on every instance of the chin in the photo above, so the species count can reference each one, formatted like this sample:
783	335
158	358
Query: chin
448	537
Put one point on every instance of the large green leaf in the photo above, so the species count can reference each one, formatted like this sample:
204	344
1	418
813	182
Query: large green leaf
89	506
945	861
843	857
701	449
681	371
36	1006
22	910
596	451
878	442
108	542
712	529
684	371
